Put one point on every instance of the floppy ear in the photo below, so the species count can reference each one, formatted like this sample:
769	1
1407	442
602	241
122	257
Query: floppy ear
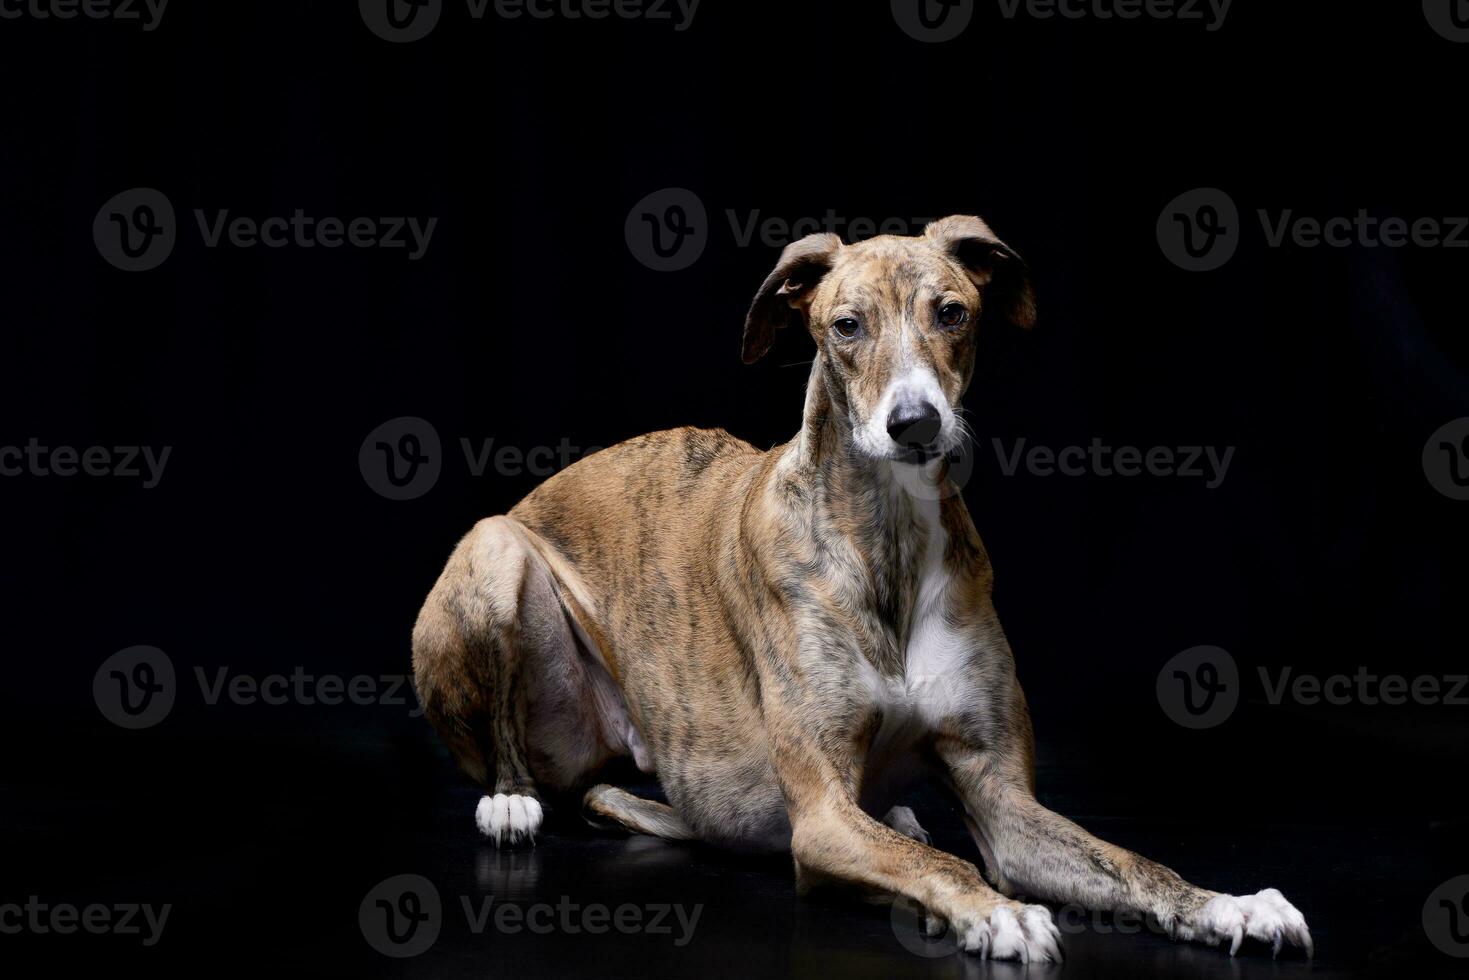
1001	276
786	292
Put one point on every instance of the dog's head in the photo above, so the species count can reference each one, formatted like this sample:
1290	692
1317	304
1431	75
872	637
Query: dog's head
895	322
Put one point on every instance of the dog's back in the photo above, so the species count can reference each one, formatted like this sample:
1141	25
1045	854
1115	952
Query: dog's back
652	498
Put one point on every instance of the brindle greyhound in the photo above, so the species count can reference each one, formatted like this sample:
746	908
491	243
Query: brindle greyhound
786	637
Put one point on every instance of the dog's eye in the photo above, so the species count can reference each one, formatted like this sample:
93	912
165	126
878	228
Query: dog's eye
953	315
846	328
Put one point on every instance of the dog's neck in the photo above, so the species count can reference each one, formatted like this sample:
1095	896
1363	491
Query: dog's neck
887	511
827	449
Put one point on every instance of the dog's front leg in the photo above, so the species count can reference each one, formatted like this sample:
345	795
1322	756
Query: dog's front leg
832	838
1036	852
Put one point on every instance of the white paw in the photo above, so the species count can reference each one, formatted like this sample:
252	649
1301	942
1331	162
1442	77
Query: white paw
901	819
1026	933
1266	916
508	819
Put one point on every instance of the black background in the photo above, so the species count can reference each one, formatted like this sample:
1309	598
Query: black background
530	321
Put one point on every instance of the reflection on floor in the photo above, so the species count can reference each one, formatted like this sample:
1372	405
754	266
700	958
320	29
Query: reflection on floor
290	851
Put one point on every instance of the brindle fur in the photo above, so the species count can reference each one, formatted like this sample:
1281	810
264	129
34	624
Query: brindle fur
744	625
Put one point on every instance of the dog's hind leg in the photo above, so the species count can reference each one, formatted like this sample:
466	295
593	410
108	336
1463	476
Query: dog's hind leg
491	646
605	805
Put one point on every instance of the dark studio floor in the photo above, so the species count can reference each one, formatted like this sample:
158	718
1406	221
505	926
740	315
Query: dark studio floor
268	869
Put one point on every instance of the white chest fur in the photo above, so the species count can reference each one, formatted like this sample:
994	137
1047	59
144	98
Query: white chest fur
933	685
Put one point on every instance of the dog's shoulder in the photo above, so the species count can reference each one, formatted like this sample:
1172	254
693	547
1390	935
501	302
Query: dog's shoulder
699	449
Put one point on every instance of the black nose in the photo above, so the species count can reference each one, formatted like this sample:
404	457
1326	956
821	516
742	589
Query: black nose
915	425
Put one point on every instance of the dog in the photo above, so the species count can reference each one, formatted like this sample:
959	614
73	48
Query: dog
788	638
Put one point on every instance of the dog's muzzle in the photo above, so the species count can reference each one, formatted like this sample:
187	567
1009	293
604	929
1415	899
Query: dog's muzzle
915	427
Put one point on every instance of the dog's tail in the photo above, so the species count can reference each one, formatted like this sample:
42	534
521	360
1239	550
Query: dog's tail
467	669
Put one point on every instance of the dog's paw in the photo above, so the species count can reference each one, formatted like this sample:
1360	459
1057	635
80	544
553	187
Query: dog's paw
508	819
1012	931
901	819
1266	916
